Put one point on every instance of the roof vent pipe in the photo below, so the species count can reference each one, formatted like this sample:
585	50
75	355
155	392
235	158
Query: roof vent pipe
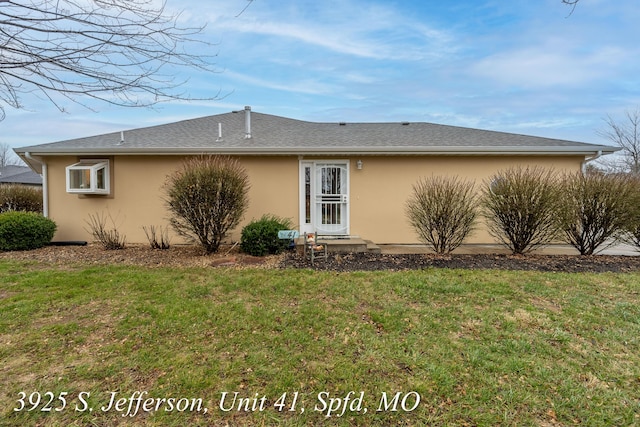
247	122
219	138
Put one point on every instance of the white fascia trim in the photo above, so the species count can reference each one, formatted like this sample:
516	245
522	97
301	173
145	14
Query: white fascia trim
375	151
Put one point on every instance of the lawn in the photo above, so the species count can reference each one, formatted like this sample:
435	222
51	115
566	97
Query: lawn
119	345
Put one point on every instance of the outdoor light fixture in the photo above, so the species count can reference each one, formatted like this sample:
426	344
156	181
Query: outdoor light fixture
359	164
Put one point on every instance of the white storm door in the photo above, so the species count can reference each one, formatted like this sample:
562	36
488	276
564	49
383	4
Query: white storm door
325	201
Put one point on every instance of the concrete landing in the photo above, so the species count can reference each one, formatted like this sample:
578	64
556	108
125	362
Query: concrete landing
556	249
346	244
357	244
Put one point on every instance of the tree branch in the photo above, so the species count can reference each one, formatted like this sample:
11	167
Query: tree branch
123	52
627	136
571	3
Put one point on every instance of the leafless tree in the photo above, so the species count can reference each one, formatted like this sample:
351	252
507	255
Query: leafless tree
626	135
123	52
7	156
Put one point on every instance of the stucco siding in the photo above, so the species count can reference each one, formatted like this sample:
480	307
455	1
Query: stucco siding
137	197
379	190
377	193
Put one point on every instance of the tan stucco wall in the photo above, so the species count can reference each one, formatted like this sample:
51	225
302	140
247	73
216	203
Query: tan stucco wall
381	188
378	191
137	199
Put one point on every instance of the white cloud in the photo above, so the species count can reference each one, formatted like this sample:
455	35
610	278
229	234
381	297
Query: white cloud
351	28
304	86
541	66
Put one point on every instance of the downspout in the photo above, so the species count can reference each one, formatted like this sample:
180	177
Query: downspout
45	184
584	163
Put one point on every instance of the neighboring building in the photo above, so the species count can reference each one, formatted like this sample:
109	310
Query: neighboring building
21	175
333	178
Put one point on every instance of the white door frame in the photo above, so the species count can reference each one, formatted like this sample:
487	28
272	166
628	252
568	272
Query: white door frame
312	201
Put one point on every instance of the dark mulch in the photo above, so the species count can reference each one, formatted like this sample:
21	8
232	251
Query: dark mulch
191	256
557	263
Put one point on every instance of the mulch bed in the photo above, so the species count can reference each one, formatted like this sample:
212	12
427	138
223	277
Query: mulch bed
556	263
230	257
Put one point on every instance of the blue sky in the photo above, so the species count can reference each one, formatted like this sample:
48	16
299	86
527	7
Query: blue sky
523	66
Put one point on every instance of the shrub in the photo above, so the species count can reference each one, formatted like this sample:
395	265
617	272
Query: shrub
25	230
632	229
110	238
260	237
20	198
442	211
633	236
596	210
521	208
207	198
152	233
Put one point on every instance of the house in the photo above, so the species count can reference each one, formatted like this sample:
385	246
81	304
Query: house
333	178
19	175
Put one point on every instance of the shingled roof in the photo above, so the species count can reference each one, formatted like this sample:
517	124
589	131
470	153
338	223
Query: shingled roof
19	175
251	133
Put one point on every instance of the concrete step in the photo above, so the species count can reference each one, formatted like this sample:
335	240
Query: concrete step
372	247
344	245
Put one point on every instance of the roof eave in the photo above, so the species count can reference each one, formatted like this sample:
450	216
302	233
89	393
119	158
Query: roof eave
406	150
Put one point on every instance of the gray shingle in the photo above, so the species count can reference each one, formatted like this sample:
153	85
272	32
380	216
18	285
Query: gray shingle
19	175
281	135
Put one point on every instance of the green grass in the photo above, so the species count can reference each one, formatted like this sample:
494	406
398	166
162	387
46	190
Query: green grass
479	347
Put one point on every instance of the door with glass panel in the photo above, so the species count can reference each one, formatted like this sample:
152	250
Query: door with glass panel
324	191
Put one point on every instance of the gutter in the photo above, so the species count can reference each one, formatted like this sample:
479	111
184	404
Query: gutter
45	183
328	150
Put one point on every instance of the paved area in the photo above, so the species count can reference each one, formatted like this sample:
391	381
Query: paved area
622	249
357	244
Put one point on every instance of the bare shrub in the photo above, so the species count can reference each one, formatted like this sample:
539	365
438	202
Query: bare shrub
158	237
109	238
596	210
442	211
207	198
20	198
633	236
521	207
633	228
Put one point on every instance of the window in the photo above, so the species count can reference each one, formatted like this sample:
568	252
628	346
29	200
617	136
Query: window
88	177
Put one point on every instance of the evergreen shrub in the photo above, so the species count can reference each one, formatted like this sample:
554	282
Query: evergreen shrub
260	237
24	230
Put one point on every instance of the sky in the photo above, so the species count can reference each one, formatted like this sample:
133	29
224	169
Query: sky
524	66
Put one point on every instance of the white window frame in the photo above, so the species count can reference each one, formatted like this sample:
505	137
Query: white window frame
92	166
